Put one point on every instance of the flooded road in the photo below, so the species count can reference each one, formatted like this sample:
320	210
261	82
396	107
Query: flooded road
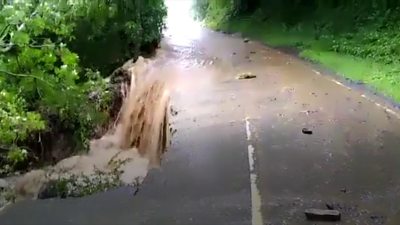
239	154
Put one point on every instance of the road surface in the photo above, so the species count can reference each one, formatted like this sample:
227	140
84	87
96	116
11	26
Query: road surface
239	155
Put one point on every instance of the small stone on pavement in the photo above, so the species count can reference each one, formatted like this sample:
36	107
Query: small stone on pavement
245	76
307	131
322	215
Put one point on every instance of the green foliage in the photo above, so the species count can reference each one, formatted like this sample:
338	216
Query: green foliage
116	30
380	45
16	123
365	29
82	185
16	156
358	39
49	65
214	12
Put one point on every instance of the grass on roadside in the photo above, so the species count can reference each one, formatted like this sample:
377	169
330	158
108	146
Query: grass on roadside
382	77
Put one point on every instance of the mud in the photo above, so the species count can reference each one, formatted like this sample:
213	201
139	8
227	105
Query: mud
133	145
350	162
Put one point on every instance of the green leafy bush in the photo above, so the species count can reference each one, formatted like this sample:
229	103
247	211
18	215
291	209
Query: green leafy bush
54	55
367	29
214	12
116	31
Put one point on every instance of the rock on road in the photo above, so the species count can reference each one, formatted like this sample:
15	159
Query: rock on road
240	154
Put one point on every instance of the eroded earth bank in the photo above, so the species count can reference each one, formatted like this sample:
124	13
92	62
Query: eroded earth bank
260	150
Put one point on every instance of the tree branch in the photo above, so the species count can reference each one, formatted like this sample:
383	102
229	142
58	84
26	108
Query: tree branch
24	75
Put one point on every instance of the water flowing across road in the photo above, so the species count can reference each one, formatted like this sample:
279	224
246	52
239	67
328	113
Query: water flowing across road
241	153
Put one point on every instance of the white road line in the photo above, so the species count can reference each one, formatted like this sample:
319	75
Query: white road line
340	84
392	112
248	132
250	149
387	109
256	216
317	72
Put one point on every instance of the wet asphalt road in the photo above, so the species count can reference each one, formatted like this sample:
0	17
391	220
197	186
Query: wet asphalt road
351	161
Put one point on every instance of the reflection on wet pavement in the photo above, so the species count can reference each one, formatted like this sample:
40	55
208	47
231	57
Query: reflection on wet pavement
350	161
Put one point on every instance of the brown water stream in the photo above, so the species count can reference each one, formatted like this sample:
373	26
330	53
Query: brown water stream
351	160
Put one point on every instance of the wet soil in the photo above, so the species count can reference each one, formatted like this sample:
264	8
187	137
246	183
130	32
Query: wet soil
350	161
134	144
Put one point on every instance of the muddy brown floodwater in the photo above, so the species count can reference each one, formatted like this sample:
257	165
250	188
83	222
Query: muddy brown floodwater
135	144
244	151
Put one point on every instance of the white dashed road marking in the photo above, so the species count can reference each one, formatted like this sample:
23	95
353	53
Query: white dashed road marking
387	109
340	84
256	216
248	132
250	149
317	72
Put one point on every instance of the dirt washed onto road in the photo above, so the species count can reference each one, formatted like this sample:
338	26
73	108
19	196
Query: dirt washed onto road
123	156
262	136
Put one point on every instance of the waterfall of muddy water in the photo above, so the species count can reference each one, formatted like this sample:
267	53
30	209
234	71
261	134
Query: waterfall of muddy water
135	144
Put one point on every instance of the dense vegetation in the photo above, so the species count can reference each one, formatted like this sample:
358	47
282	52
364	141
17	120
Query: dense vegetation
55	56
358	39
